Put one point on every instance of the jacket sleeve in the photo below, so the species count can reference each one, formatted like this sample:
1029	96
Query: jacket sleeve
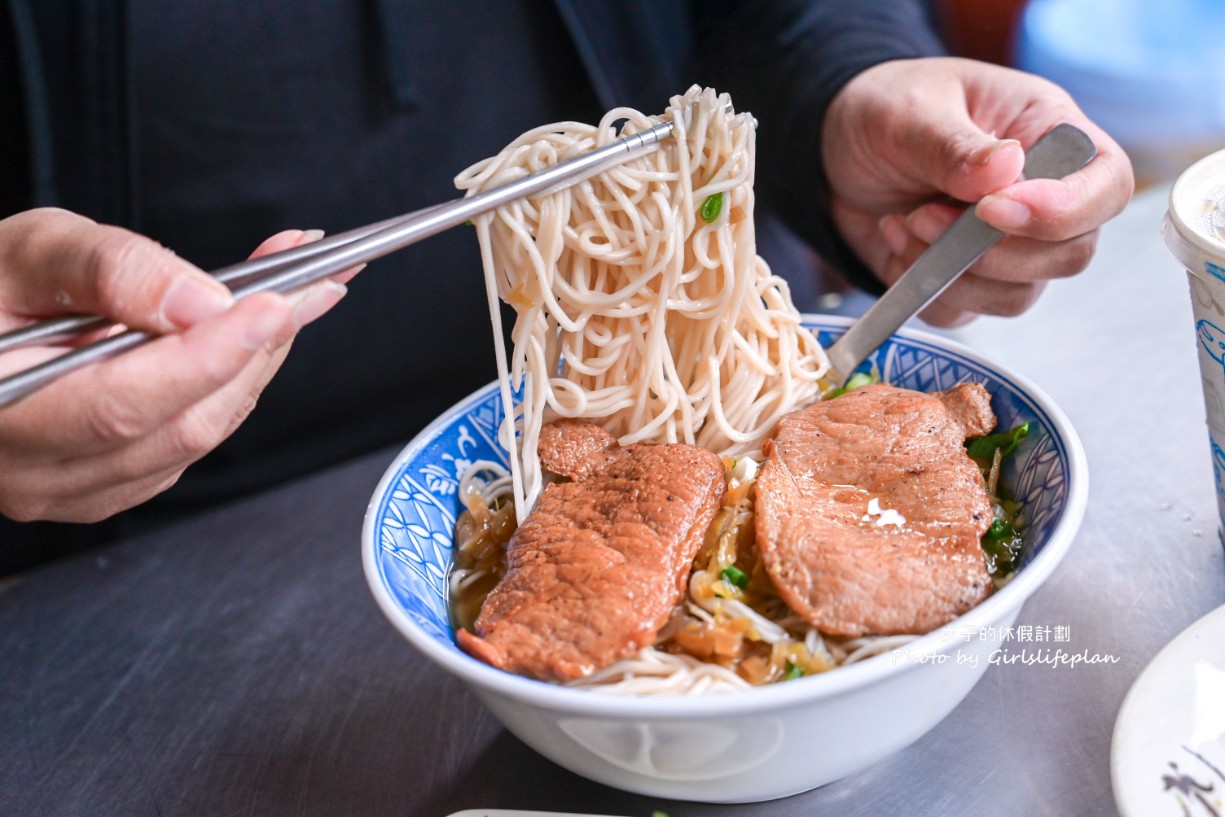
785	61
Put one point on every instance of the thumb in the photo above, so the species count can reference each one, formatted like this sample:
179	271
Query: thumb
962	161
57	262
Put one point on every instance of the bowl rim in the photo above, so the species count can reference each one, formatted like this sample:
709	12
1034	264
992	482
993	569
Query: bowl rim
807	690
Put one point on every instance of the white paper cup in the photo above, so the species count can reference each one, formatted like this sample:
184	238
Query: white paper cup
1194	231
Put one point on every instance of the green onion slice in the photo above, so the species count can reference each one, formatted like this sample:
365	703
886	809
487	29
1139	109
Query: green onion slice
983	449
711	207
999	531
735	576
856	380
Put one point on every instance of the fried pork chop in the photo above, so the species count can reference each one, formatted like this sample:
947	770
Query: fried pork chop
596	568
869	512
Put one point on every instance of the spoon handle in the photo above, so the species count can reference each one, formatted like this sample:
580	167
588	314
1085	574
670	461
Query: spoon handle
1063	150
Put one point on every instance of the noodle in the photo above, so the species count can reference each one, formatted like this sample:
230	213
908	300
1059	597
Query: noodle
641	302
652	672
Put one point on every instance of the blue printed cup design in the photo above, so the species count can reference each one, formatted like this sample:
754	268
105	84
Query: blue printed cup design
1217	439
1208	307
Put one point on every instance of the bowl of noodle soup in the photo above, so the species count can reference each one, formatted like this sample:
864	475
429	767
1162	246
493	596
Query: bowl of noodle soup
642	307
745	745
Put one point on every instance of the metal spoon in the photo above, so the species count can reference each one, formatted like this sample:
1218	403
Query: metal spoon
1063	150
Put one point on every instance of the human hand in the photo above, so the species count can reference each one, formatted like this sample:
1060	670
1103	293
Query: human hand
111	435
908	143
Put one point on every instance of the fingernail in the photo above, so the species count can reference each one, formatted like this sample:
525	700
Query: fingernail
893	230
190	300
985	154
1003	213
310	236
262	329
316	301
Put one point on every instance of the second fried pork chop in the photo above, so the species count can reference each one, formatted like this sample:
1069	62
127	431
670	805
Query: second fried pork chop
595	569
907	563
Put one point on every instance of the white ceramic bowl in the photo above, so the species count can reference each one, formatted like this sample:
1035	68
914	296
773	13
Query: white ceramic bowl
762	743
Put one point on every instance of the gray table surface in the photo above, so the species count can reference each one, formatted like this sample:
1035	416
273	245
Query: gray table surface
235	664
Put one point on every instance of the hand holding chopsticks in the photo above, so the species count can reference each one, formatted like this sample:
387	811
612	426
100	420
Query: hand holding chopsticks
117	433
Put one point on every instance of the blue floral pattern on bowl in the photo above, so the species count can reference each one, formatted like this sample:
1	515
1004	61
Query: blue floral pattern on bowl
414	512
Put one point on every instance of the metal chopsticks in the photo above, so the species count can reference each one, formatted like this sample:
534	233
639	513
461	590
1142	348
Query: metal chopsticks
54	330
295	268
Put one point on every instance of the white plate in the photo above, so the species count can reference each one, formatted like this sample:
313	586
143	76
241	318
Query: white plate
1168	751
